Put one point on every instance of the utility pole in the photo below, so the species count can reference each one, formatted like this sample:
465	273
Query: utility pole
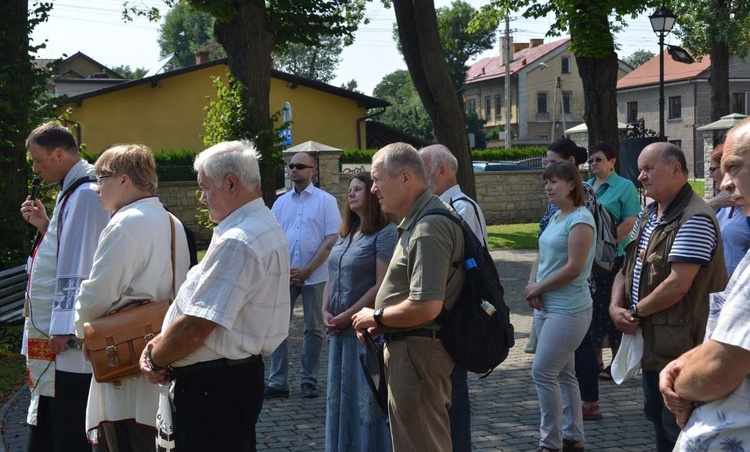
507	83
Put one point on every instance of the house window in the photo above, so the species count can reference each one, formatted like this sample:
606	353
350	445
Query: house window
567	101
499	101
542	137
541	103
565	65
487	108
738	103
677	143
471	106
675	107
632	112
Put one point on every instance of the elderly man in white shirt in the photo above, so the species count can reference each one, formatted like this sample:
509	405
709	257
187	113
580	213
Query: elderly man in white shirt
233	307
440	168
311	219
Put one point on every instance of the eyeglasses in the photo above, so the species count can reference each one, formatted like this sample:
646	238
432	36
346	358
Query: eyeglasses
712	169
299	166
596	159
99	179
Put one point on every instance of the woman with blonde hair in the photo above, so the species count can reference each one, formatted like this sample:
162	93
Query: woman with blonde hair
133	262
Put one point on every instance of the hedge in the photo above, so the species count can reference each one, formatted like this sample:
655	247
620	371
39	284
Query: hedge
170	165
516	153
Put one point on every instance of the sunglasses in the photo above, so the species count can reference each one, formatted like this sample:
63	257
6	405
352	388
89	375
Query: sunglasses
596	159
299	166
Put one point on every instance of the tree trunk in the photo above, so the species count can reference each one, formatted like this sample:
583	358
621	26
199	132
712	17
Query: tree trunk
16	85
599	77
420	41
249	44
719	80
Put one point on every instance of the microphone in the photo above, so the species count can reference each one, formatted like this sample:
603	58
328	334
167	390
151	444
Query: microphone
35	187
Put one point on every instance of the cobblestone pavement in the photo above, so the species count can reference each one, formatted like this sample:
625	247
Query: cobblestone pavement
504	406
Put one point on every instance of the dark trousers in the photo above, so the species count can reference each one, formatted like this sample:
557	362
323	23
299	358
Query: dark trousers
125	436
587	369
665	424
217	408
61	420
460	411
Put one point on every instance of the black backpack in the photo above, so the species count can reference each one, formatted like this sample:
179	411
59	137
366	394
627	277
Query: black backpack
605	240
476	332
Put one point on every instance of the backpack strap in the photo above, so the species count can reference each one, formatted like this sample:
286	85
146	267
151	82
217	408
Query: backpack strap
476	211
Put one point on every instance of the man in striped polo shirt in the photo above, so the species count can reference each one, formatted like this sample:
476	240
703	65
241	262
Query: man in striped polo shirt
674	261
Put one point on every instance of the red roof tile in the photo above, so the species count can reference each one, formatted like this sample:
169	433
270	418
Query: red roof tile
648	73
490	68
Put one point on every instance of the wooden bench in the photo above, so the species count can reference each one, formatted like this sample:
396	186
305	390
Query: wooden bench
12	292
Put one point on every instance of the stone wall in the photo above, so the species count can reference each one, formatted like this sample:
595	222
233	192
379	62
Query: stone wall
181	198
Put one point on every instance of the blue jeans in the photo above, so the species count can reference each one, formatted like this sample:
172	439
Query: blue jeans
312	344
460	412
553	372
665	424
587	369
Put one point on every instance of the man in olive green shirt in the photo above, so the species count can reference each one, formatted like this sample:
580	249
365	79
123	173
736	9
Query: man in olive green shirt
422	278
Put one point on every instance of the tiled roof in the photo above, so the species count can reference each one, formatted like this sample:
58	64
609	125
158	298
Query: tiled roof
494	67
648	73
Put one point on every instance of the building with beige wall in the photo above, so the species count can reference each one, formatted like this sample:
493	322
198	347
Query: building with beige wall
546	91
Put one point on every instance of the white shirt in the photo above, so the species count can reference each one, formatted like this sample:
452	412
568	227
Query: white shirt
132	262
724	423
307	218
62	260
242	285
465	208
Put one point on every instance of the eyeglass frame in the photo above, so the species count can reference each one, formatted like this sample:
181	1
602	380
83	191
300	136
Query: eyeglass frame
597	160
299	166
100	178
712	169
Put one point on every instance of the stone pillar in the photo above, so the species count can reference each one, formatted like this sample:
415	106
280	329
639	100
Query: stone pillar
327	164
708	140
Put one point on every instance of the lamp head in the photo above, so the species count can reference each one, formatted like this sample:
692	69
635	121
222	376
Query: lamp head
662	20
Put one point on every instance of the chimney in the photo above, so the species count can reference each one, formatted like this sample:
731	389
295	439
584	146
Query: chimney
518	46
201	57
503	48
536	42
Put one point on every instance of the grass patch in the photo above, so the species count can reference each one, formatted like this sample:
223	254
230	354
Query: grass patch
699	186
513	236
12	368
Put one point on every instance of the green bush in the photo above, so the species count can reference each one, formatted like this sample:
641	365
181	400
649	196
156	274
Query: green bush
170	165
518	153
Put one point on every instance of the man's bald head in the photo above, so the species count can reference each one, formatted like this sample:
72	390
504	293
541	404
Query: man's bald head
669	154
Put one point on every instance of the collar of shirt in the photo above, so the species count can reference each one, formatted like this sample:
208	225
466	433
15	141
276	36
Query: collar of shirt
234	218
309	190
81	169
448	194
415	210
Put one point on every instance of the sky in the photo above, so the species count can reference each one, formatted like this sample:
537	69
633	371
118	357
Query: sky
95	28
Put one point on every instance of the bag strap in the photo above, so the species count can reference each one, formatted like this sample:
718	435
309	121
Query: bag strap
476	213
174	281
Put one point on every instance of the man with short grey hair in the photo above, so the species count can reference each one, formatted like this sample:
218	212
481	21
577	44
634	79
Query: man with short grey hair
674	261
233	308
440	168
708	387
420	281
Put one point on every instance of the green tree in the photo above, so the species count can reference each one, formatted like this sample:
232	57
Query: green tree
24	103
419	36
591	26
126	72
317	62
639	57
250	30
719	28
407	113
186	31
352	85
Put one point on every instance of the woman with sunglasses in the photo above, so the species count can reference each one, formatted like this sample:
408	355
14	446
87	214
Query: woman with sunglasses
356	267
620	197
734	225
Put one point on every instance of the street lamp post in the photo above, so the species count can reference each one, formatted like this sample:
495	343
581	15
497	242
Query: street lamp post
662	21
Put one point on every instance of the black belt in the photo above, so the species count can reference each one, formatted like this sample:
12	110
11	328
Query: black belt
419	332
215	364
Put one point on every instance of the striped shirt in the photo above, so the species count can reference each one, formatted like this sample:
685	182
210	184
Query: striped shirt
694	243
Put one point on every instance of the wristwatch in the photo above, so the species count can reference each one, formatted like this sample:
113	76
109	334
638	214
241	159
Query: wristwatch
151	364
378	316
633	310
